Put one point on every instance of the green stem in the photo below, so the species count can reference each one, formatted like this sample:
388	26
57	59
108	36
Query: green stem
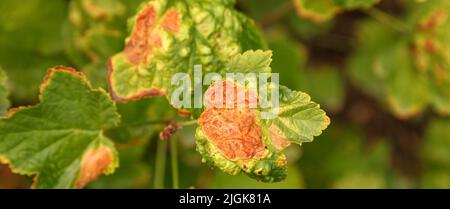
145	123
149	123
388	20
174	162
189	123
160	164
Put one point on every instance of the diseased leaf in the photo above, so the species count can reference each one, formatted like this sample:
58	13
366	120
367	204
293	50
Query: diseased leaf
95	32
323	10
234	140
387	62
298	119
237	139
60	140
168	37
4	102
132	173
316	10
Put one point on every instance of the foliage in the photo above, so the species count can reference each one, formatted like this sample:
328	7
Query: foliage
61	139
396	59
379	69
323	10
4	102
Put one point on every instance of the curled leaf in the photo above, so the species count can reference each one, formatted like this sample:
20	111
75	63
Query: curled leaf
232	138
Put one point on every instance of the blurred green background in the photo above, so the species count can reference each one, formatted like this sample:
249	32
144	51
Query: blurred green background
381	70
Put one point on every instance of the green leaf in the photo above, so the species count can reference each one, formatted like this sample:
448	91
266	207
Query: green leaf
239	140
34	25
388	62
4	102
349	162
250	62
169	37
298	119
60	140
323	83
436	150
316	10
436	155
323	10
31	41
294	180
356	4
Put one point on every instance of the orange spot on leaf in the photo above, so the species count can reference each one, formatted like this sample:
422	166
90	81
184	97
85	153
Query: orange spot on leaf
234	131
139	47
94	163
171	21
278	140
219	94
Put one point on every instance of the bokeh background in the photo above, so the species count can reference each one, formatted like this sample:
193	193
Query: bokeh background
380	69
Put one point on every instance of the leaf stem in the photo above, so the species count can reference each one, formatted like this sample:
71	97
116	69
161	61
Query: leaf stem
161	122
188	123
160	164
174	162
388	20
145	123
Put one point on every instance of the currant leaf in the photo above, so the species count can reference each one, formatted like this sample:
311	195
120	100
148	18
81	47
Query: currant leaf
298	119
60	141
323	10
251	62
4	102
169	37
238	139
387	60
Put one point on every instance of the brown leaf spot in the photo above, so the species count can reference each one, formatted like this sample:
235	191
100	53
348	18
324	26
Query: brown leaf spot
184	113
139	47
95	162
234	132
218	94
431	46
171	21
435	20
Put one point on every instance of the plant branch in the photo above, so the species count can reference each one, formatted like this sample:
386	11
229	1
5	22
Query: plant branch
160	164
174	162
388	20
